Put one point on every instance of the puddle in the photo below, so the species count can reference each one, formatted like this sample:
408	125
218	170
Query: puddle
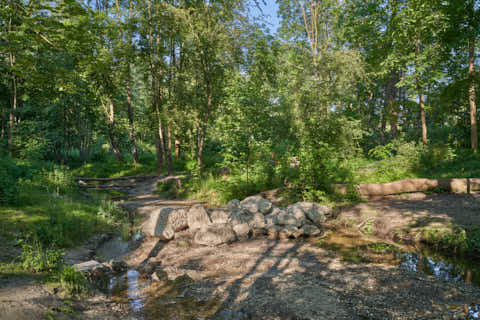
451	269
128	288
113	249
358	249
355	248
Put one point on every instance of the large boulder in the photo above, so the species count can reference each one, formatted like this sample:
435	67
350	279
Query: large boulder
220	215
197	217
215	234
287	220
256	204
298	212
314	212
163	223
239	216
243	231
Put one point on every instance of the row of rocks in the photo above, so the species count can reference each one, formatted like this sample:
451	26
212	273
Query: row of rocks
238	220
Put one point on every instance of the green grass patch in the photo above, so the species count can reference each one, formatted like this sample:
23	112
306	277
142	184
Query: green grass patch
112	168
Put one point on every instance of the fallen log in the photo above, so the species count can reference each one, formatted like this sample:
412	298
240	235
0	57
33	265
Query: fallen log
462	185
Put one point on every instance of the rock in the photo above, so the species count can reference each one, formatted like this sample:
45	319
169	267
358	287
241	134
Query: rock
233	204
315	212
259	232
269	220
163	223
311	230
243	231
239	216
298	233
149	268
220	215
287	220
257	204
88	266
277	212
215	234
197	217
298	212
257	221
273	232
159	275
318	213
287	232
119	266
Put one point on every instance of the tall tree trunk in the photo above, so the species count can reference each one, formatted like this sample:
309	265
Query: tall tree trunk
390	107
110	119
177	148
200	144
160	133
169	150
131	124
11	125
422	116
471	93
159	150
133	144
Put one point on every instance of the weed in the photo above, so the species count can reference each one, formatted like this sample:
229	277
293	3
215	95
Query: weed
71	281
36	258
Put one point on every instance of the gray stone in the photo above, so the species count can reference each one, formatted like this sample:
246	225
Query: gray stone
277	212
257	221
215	234
298	212
197	217
164	222
288	231
243	231
233	204
239	216
220	215
311	230
257	204
314	212
88	266
273	232
287	220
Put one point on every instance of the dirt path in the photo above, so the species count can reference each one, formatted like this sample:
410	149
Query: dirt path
267	279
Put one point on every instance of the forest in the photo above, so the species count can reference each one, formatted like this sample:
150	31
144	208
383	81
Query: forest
211	93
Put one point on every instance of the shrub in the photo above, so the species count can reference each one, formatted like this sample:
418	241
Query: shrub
71	281
36	258
10	175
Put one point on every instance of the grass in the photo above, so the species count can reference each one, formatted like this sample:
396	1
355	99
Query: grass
434	163
49	217
112	168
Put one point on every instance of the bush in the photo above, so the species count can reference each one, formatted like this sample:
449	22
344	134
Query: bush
36	258
10	175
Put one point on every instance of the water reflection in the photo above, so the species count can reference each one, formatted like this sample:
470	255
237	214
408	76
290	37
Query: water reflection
133	290
418	263
129	287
